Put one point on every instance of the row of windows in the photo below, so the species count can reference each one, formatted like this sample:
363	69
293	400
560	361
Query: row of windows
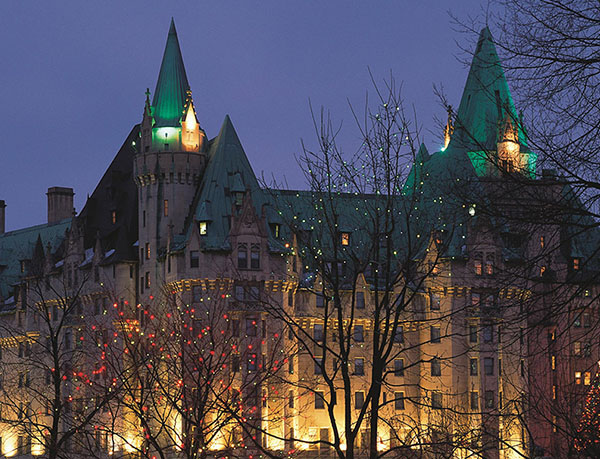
359	400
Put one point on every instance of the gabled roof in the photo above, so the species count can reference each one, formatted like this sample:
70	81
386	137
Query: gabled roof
227	170
20	245
486	100
172	85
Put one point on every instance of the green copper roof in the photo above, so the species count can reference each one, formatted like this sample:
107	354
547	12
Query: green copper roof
485	101
228	171
172	85
20	245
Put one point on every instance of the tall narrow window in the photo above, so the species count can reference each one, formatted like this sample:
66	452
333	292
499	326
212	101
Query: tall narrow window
113	217
166	208
318	332
203	228
399	335
194	259
242	256
435	334
399	367
359	335
474	400
147	251
255	256
345	238
488	366
436	367
398	401
359	366
360	300
473	367
359	400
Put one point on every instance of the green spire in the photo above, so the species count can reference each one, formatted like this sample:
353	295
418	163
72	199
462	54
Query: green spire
172	85
486	99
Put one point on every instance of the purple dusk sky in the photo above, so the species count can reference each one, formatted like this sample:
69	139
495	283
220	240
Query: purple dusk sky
74	75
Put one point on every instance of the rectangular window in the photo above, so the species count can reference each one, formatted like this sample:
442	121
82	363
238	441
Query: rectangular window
587	376
166	208
577	377
359	335
255	257
475	299
291	366
144	219
586	320
474	404
398	401
291	399
359	400
147	279
435	302
359	367
489	399
235	363
235	328
435	334
399	335
542	242
251	327
319	400
318	332
194	259
147	251
436	367
576	264
478	267
203	228
240	293
489	265
472	333
488	366
360	300
399	367
473	371
252	364
320	301
488	333
553	362
577	348
436	400
318	366
345	238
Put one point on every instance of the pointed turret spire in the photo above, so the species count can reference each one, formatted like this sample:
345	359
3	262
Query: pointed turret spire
485	99
172	85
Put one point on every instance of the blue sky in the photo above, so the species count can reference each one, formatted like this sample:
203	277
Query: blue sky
75	73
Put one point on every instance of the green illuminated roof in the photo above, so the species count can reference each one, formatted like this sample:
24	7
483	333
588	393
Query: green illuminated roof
485	101
172	85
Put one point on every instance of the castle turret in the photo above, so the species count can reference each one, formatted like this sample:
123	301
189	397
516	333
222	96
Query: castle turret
171	158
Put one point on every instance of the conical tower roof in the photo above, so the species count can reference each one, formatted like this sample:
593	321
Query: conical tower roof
172	85
486	99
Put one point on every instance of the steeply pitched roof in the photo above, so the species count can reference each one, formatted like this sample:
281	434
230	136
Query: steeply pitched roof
20	245
172	85
227	170
485	101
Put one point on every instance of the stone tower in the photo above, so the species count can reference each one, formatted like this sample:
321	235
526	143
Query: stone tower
169	162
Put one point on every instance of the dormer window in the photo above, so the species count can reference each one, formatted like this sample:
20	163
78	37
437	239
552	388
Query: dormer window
345	239
203	228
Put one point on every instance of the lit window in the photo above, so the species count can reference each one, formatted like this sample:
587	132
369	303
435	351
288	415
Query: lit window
576	262
553	362
475	299
542	270
578	377
345	238
553	392
587	376
478	268
147	279
113	217
203	228
542	242
147	251
577	348
489	265
166	208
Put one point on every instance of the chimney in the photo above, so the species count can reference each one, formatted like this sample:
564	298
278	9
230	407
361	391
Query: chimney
60	203
2	216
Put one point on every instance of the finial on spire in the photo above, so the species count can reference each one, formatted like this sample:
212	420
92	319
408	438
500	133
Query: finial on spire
449	129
